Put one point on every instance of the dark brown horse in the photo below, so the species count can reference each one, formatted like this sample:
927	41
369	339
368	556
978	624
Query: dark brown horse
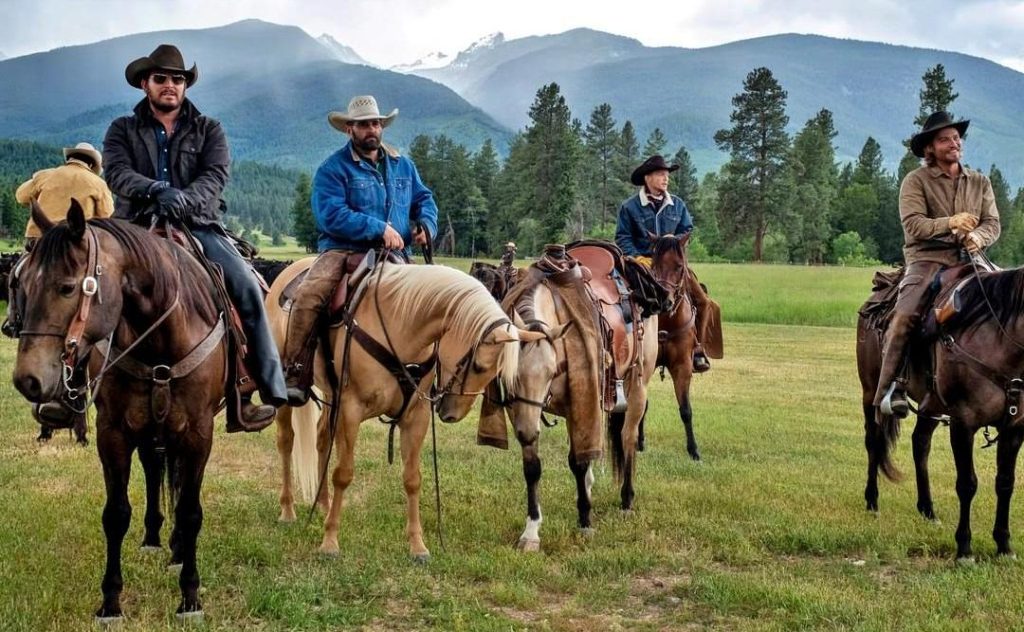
970	369
677	331
107	286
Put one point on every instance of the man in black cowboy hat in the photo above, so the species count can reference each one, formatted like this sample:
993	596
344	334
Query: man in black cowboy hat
169	160
945	209
655	211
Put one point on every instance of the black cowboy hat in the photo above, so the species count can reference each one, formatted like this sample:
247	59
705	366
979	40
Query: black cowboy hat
165	57
937	121
652	164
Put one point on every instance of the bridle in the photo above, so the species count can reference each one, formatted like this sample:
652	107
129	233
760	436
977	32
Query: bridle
465	364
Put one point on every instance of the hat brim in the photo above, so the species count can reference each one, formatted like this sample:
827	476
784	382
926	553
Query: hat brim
94	156
637	177
137	70
922	139
341	120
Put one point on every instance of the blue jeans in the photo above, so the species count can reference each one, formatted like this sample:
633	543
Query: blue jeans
263	359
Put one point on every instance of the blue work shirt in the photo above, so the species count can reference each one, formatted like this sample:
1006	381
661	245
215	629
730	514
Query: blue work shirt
353	201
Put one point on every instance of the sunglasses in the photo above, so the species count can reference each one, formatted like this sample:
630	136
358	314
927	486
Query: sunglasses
160	79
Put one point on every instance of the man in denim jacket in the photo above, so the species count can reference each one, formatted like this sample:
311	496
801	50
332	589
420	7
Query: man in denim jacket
655	211
365	196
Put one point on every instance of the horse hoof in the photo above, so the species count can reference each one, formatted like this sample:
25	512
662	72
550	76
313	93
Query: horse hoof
174	567
967	560
1007	557
587	532
150	548
107	622
528	545
421	558
627	512
330	551
190	618
286	517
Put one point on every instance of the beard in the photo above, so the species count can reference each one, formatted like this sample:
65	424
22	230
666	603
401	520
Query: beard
162	107
368	144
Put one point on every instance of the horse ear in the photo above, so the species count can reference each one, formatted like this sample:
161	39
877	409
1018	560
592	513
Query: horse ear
517	320
39	218
684	239
554	333
531	336
652	237
76	220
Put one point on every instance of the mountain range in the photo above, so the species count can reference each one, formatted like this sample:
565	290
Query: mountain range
272	86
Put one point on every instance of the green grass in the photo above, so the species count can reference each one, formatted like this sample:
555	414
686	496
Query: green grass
769	532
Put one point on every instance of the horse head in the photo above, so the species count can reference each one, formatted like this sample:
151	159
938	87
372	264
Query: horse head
669	264
60	318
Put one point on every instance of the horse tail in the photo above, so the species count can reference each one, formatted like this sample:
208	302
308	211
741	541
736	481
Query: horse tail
617	451
890	431
172	483
304	450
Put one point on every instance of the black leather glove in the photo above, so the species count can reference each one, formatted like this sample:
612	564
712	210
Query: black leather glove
172	202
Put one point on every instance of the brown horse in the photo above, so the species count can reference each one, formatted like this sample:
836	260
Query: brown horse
677	331
970	370
414	312
110	285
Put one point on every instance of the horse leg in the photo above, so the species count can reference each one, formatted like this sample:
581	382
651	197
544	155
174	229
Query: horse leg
323	448
45	433
872	435
81	430
922	444
584	482
116	457
285	441
682	374
637	400
413	429
529	540
961	439
188	520
341	478
1006	466
153	467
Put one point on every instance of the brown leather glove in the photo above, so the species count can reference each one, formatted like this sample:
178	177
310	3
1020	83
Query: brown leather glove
963	222
972	243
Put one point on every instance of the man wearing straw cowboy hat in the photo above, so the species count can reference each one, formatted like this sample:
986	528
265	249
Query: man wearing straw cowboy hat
53	189
655	211
365	195
168	159
945	208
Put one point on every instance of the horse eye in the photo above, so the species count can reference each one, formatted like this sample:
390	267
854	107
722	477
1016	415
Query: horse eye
68	289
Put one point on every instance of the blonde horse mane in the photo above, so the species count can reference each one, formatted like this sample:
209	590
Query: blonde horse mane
467	306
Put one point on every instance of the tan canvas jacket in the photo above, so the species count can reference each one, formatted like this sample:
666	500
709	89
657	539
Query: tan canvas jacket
54	188
929	197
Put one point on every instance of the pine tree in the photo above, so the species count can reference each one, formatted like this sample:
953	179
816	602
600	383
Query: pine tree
485	172
601	141
628	154
753	189
814	172
685	183
303	225
936	95
655	143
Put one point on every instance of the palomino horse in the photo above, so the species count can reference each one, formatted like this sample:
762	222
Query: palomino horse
112	285
675	348
413	312
971	372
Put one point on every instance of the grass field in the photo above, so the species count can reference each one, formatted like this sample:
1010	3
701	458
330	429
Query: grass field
769	532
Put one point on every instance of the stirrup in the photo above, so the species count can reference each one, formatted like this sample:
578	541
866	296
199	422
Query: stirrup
620	398
886	406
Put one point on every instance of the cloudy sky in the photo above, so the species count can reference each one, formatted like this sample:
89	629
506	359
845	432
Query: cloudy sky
389	32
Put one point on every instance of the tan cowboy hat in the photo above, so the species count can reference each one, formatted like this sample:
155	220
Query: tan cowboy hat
361	108
87	151
164	57
937	122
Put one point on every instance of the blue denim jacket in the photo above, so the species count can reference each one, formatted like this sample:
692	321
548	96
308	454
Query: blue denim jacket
637	217
352	204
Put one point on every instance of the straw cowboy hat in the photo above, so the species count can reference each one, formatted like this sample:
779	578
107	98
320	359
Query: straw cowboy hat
89	152
165	57
652	164
936	122
361	108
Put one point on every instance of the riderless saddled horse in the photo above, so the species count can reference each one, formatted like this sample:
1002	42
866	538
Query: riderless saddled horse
967	366
144	305
401	325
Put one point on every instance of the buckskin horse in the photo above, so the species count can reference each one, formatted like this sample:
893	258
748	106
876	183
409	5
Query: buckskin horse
970	368
402	321
113	286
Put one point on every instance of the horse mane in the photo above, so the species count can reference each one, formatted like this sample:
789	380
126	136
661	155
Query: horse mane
666	244
467	305
147	251
1004	290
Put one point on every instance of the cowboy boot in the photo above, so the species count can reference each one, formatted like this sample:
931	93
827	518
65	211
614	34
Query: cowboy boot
255	417
298	376
701	363
895	400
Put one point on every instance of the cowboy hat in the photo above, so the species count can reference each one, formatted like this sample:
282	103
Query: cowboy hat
87	151
361	108
652	164
164	57
936	122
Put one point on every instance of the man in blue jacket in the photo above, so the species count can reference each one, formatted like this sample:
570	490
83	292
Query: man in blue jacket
365	196
655	211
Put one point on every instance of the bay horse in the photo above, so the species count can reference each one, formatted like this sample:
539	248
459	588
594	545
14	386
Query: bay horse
677	331
110	285
971	370
415	312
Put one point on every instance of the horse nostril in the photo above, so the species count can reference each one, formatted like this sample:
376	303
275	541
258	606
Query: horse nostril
30	387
